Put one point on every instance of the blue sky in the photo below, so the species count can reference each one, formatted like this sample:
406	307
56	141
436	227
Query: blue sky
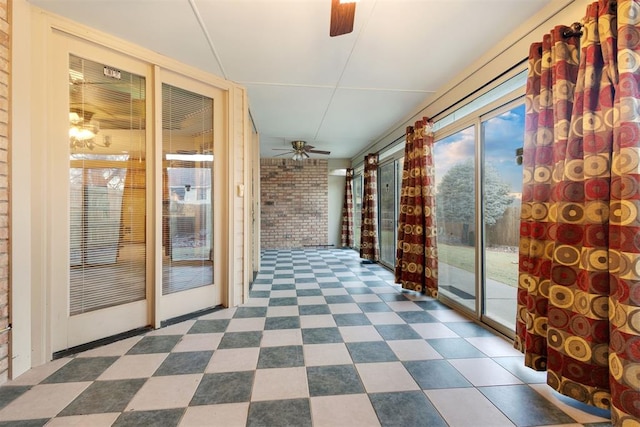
503	134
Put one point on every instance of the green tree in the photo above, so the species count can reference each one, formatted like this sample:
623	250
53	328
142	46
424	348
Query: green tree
456	197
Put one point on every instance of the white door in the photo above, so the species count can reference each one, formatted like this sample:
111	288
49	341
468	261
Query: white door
191	131
99	197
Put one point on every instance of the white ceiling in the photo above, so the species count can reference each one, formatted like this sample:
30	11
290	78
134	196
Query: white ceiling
340	94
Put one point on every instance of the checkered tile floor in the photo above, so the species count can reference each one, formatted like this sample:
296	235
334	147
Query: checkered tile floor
323	341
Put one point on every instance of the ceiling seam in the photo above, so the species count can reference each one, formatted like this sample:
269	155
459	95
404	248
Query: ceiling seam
370	89
196	12
346	64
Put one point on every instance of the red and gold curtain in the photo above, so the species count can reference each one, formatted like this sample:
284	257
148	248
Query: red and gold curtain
416	253
369	249
579	284
346	236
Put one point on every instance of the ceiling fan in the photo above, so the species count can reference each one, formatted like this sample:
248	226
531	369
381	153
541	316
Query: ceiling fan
343	13
301	150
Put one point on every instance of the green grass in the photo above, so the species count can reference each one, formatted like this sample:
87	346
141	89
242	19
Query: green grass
500	266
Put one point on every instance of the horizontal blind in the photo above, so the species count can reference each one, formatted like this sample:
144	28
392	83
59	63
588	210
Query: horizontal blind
187	223
107	186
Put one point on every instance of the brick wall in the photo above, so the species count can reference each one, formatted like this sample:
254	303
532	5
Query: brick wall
5	77
294	203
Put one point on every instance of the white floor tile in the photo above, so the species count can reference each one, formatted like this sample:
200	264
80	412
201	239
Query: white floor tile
494	346
478	410
317	321
198	342
359	333
484	372
174	391
232	360
280	383
433	330
326	354
413	350
228	415
353	410
133	366
93	420
385	377
246	324
42	401
281	337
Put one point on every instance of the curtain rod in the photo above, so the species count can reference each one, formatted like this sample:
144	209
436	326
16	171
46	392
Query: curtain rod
439	113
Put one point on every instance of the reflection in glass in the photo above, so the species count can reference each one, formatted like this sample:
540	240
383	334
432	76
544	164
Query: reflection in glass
106	187
357	209
502	192
387	206
455	216
187	218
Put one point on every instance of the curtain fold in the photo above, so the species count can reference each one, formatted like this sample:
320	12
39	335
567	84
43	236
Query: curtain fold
416	265
579	283
369	249
346	235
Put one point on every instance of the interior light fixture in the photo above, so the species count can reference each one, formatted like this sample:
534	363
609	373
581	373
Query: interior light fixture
298	156
83	130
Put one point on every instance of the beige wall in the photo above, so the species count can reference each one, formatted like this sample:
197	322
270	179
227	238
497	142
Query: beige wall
5	137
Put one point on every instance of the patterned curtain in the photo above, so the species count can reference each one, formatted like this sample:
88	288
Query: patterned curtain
579	286
416	253
346	237
369	249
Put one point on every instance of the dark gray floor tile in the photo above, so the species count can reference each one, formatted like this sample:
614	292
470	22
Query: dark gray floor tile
416	317
25	423
321	335
455	348
307	310
330	285
259	294
332	380
288	322
325	275
432	305
375	283
284	286
80	369
392	297
209	326
247	312
374	307
104	396
359	290
351	319
263	281
281	357
305	279
524	406
9	393
182	363
309	292
240	340
369	352
432	374
339	299
293	412
405	409
278	302
469	329
155	344
158	418
226	387
397	332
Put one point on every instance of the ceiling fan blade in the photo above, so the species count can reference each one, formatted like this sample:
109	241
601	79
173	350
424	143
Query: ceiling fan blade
305	154
283	154
319	152
282	149
342	17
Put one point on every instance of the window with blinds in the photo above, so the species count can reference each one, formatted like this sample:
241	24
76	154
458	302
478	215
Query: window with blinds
107	186
187	220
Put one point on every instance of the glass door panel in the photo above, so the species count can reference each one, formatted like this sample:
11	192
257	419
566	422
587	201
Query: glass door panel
107	202
387	213
502	191
357	209
190	111
187	218
455	216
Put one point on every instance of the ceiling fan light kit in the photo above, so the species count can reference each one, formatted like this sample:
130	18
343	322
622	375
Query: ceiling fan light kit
301	150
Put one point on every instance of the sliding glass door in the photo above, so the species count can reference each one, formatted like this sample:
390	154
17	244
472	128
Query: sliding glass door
454	157
502	135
